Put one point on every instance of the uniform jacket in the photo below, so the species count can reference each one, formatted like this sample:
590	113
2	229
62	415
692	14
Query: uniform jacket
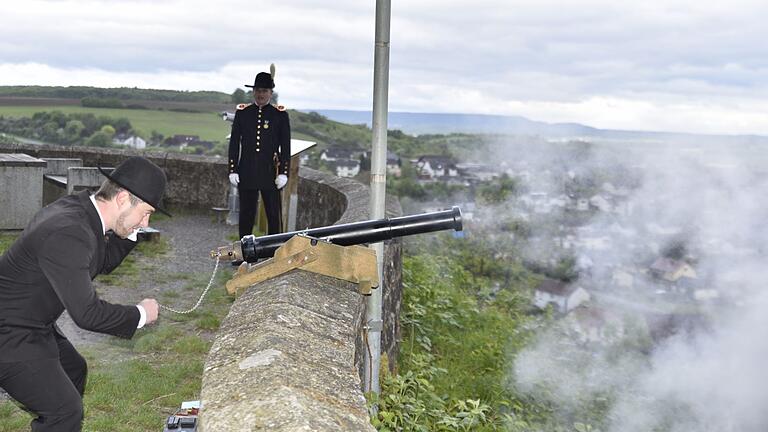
259	136
50	268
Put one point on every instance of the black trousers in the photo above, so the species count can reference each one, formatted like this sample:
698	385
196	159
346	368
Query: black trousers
52	388
249	204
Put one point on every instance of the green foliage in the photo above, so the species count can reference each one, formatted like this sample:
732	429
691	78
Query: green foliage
329	133
409	403
21	121
99	139
238	96
455	345
466	315
96	102
70	128
73	131
406	186
122	93
6	139
499	190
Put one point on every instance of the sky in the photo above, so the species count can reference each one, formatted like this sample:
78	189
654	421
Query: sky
656	65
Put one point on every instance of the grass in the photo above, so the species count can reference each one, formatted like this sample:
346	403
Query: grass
138	392
128	273
7	238
208	126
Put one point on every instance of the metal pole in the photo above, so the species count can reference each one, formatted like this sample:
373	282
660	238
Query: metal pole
374	323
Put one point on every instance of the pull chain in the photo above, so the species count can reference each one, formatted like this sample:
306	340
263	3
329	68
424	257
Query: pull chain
200	300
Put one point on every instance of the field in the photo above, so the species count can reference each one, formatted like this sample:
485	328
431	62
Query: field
208	126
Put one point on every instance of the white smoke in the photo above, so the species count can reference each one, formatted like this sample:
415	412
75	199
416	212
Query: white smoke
708	379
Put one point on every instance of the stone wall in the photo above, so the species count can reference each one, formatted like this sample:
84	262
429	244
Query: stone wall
193	181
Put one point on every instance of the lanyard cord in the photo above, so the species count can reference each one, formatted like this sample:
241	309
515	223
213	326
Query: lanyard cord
200	300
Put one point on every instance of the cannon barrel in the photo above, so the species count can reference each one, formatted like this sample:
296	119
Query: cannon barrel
251	248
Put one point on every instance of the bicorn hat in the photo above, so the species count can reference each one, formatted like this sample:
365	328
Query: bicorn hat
263	80
142	178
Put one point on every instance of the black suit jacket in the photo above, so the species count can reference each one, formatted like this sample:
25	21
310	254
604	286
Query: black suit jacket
50	268
259	136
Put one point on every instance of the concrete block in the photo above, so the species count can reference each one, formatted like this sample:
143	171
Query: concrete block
82	178
58	166
21	189
54	187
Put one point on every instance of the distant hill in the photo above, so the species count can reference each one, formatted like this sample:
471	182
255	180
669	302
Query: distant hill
434	123
122	93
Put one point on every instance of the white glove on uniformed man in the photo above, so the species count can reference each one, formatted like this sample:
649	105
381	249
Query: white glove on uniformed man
234	178
281	180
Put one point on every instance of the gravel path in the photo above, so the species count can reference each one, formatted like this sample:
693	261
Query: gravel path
190	238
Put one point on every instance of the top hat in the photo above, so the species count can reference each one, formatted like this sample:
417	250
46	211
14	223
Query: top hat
142	178
263	80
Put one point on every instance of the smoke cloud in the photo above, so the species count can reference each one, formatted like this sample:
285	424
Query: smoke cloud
704	370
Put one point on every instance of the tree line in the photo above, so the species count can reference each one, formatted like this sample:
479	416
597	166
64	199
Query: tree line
67	129
120	93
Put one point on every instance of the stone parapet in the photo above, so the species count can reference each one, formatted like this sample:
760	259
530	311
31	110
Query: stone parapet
283	359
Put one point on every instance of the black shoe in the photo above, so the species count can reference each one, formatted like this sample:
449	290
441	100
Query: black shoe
237	263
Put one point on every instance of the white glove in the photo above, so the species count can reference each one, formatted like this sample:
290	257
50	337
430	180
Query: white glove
234	178
133	236
281	180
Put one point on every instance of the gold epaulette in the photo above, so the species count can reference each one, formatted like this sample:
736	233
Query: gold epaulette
243	106
279	107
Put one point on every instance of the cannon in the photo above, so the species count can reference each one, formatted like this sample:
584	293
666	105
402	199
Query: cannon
251	248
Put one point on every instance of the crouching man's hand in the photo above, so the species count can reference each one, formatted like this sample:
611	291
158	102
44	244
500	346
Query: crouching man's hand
149	309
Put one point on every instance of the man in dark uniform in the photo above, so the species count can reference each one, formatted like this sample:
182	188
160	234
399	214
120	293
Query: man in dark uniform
259	155
49	269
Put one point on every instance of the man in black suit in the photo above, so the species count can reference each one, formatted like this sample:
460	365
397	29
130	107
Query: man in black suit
259	155
49	269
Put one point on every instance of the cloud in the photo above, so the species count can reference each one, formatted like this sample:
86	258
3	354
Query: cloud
494	56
